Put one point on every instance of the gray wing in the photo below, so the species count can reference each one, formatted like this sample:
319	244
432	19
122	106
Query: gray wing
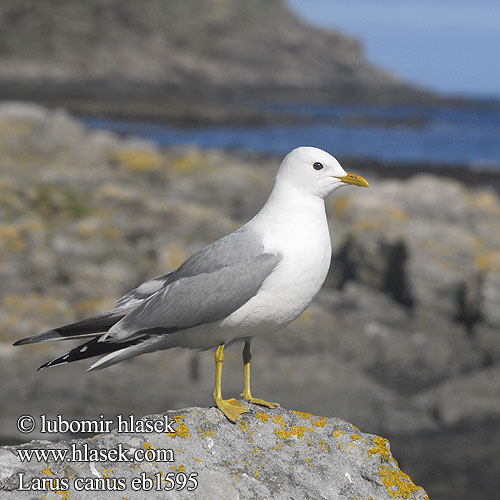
237	247
209	286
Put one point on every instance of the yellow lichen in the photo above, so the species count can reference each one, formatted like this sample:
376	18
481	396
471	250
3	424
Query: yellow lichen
141	160
303	414
355	437
262	416
397	483
488	261
188	162
338	433
381	447
47	471
296	431
278	419
182	431
320	423
107	472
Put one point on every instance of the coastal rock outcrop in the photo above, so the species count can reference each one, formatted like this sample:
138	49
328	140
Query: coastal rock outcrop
274	454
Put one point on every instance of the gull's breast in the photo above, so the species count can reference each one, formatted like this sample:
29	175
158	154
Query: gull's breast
292	285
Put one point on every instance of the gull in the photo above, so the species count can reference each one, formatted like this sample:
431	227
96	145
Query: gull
252	282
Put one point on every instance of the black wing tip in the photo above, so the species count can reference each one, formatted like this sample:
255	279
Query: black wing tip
24	341
41	337
61	360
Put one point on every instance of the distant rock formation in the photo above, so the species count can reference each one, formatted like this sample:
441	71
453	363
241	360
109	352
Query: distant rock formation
194	48
272	454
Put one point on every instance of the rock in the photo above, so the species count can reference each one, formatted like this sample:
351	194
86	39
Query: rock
468	399
267	454
126	51
429	244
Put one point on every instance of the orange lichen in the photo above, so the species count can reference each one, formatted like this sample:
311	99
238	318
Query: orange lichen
278	419
296	431
320	423
208	432
182	431
381	447
262	416
397	483
107	472
303	414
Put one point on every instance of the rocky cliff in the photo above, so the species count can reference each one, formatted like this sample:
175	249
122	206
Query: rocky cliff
276	454
104	51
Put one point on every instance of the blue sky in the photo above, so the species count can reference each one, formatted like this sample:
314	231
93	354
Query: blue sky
452	46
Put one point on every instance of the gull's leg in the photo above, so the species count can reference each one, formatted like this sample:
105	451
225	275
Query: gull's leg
232	408
247	393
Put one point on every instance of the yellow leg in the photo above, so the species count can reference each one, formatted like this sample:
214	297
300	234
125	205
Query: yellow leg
247	393
232	408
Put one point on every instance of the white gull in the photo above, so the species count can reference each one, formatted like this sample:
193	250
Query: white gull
251	282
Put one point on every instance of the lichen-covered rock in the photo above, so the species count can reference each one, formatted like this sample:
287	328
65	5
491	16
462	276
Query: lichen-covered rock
275	454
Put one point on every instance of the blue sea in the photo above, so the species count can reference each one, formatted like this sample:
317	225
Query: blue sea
398	134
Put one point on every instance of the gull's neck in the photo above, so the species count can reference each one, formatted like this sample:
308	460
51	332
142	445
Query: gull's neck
289	206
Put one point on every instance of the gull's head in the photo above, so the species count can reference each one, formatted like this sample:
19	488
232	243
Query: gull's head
315	171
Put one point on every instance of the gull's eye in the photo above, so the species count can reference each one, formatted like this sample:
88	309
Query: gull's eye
318	166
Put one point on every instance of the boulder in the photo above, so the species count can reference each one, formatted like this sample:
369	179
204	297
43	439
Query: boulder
274	454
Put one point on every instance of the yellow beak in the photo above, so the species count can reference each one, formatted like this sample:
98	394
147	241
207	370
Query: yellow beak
354	179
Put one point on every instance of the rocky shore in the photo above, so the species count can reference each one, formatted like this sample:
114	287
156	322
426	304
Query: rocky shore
275	454
403	340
